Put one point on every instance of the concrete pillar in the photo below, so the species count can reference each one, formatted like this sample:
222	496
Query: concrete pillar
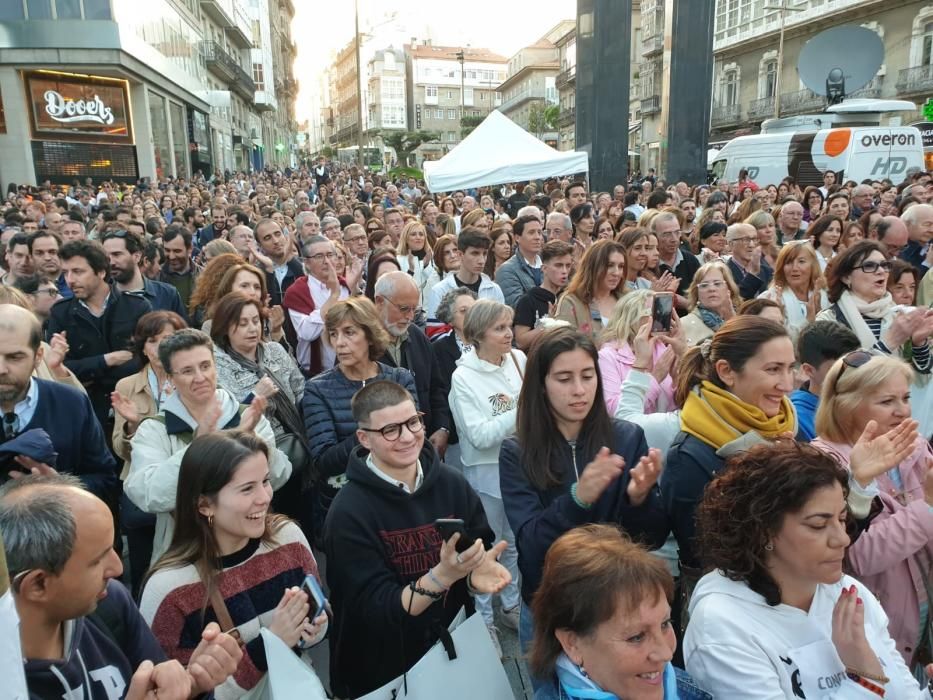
142	130
604	28
16	164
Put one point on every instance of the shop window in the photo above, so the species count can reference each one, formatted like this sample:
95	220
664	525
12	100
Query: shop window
39	9
97	9
68	9
61	162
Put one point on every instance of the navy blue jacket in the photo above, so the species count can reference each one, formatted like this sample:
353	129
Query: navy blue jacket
912	254
68	417
540	517
418	358
691	464
750	286
163	297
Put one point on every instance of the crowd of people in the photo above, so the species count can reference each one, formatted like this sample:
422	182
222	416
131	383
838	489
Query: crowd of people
221	394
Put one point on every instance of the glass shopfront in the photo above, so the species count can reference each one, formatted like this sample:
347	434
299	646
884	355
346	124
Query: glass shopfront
161	144
179	140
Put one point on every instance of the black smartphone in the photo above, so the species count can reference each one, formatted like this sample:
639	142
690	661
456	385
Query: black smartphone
448	526
316	596
662	306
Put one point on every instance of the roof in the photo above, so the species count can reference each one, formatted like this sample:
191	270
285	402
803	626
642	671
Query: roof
449	53
541	43
525	70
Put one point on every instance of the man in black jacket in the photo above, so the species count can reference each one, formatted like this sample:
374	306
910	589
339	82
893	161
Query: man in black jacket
394	582
397	299
99	322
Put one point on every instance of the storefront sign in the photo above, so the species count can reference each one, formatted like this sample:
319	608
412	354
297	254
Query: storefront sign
64	105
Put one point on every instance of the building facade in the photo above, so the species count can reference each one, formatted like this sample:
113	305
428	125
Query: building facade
386	103
434	75
100	89
746	79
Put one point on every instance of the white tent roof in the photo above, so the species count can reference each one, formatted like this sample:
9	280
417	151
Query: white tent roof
496	152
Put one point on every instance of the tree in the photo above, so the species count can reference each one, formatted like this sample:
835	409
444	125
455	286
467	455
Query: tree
542	117
406	142
550	117
467	124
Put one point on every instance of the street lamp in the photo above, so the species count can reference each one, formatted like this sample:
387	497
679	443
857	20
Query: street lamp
461	57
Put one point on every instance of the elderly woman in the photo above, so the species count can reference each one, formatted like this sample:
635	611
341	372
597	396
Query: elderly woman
857	289
593	291
602	622
483	401
798	285
617	357
712	299
196	407
865	407
354	331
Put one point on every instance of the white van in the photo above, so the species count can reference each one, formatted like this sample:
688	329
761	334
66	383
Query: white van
853	153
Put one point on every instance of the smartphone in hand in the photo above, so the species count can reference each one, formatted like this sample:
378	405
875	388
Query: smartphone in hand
662	306
448	526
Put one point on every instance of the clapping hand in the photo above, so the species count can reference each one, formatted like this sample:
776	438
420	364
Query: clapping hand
598	475
167	681
875	453
253	413
290	617
211	418
490	576
849	634
644	476
58	350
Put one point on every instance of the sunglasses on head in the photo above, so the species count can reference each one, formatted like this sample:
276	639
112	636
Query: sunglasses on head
854	359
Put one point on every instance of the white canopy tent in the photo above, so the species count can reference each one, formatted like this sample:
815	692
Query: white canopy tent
496	152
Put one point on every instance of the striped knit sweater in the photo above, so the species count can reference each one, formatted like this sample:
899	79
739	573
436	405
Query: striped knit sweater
252	584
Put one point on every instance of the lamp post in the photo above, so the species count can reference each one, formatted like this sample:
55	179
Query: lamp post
359	87
782	8
462	58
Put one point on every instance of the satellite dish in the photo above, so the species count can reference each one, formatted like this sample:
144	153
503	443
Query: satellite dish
840	60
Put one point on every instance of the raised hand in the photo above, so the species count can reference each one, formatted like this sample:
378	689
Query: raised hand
490	576
849	634
644	476
664	365
598	475
922	324
126	409
276	319
253	413
265	388
290	616
211	418
58	350
643	348
215	658
874	452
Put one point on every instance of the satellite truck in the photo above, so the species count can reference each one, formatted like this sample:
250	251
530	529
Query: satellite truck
847	138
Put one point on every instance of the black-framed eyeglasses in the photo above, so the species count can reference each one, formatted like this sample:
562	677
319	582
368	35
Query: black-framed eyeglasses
870	267
393	431
854	359
321	257
47	292
404	309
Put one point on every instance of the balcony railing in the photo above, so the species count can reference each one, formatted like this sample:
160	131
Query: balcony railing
651	105
652	44
565	77
532	94
726	114
229	15
227	67
566	117
870	91
915	79
800	101
761	109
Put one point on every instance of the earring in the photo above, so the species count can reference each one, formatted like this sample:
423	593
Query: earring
769	547
210	520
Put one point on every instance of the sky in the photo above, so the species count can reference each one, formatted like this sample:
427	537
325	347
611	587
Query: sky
322	26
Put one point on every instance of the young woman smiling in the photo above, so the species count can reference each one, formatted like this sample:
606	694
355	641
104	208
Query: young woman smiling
594	289
825	234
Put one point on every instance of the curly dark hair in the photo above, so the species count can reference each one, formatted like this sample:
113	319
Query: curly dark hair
744	507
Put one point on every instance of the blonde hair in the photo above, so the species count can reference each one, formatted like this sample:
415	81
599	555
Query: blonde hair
693	295
788	252
627	312
846	388
411	226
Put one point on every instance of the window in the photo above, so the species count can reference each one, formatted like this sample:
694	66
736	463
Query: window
430	94
468	96
926	58
770	79
68	9
39	9
730	88
258	77
450	95
256	32
451	114
482	96
388	61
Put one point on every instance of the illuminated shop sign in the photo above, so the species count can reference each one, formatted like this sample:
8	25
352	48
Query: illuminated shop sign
63	104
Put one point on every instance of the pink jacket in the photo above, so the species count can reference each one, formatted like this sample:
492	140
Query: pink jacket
615	361
889	557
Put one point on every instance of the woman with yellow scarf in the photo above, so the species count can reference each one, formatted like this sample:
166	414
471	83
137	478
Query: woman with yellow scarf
734	391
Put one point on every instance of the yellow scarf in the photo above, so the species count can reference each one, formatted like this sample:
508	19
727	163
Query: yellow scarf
717	417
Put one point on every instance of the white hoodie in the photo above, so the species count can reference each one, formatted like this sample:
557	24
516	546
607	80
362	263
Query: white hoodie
484	400
738	646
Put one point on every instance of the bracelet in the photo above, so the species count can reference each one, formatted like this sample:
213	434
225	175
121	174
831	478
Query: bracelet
867	684
576	498
433	595
473	591
870	676
436	581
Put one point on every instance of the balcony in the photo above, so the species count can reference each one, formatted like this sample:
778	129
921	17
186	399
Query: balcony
651	105
538	93
800	101
726	115
567	117
565	77
229	15
870	91
761	109
652	44
226	67
265	101
914	80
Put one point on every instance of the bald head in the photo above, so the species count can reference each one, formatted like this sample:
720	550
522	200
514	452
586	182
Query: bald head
14	319
893	233
393	284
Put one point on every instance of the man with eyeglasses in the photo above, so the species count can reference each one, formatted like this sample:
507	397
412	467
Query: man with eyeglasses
397	297
558	227
789	221
683	264
390	573
751	273
330	228
356	242
307	302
